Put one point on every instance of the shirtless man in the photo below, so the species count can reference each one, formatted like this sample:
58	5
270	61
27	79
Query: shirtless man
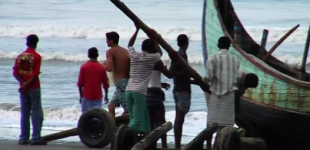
118	62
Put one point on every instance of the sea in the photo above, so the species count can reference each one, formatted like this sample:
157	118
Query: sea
67	29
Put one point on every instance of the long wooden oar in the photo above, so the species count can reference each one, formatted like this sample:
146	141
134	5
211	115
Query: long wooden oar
304	59
174	56
279	42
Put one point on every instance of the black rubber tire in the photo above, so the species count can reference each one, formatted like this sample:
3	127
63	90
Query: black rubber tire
124	139
229	139
96	128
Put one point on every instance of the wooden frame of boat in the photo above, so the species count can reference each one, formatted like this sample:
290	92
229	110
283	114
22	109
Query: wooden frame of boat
279	108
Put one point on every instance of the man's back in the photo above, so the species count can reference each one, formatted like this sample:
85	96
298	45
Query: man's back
121	62
141	69
222	72
92	76
27	65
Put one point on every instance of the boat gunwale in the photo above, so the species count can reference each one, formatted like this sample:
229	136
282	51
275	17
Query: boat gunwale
279	75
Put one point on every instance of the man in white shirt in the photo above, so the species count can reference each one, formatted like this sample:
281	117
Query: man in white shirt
222	72
141	66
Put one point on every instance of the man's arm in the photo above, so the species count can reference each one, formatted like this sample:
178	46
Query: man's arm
110	61
81	93
133	38
80	83
105	82
35	75
164	69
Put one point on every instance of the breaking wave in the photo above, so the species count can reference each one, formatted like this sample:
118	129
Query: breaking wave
169	33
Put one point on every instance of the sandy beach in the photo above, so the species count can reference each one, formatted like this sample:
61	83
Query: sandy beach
12	145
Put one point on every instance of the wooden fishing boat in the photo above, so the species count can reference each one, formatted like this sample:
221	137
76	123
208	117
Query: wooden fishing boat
279	108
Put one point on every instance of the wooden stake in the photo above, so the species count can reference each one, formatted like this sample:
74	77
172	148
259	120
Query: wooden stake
304	59
279	42
174	56
264	39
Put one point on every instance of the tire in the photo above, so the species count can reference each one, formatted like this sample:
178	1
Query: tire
229	139
96	128
124	139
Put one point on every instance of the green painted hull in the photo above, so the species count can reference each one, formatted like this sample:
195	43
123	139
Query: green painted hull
278	110
275	89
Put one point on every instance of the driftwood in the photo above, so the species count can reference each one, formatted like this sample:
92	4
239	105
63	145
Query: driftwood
152	137
174	56
279	42
197	142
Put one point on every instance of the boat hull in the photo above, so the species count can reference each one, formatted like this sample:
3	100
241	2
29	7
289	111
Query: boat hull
281	129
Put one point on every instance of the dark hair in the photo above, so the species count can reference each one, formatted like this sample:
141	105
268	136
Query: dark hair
182	40
254	49
148	45
223	42
251	80
113	36
32	40
93	53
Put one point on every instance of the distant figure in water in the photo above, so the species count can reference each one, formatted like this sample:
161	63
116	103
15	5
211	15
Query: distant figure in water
222	72
141	66
181	90
156	96
92	78
26	70
117	63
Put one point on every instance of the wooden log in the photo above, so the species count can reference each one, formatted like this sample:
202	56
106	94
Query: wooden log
61	135
279	42
197	142
252	143
305	56
153	137
123	119
174	56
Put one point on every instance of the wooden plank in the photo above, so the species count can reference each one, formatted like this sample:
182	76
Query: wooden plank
197	142
152	137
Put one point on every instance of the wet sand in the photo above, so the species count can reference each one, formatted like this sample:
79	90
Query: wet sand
12	145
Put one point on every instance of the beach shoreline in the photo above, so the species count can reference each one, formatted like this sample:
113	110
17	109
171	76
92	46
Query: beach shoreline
7	144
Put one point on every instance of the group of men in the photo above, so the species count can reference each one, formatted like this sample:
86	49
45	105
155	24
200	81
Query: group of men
138	85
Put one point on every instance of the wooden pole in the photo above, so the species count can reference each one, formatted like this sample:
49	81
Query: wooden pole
304	59
279	42
204	38
60	135
152	137
174	56
264	39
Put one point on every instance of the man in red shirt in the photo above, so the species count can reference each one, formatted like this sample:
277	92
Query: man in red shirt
26	70
92	76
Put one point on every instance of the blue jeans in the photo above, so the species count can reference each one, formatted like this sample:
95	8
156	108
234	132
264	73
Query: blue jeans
31	106
182	101
89	104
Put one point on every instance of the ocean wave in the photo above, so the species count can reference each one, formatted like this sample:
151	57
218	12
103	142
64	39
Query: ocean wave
169	32
194	59
67	117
